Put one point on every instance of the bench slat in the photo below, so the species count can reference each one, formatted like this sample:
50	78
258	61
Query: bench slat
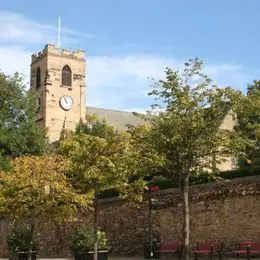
254	247
169	248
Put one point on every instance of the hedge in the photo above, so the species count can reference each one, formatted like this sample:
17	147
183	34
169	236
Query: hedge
194	180
240	173
205	178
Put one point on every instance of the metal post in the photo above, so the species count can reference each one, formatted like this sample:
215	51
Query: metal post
150	190
248	254
211	252
150	224
221	252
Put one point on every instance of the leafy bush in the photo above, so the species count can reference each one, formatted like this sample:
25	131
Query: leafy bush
205	178
165	183
19	240
240	173
82	239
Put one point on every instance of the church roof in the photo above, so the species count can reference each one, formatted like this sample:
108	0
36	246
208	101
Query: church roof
118	119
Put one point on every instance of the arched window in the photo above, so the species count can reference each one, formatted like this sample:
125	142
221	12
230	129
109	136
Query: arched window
38	78
66	76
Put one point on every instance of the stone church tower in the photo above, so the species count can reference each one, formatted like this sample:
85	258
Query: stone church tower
58	76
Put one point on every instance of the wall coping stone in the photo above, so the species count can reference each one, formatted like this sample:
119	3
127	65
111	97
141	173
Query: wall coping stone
199	188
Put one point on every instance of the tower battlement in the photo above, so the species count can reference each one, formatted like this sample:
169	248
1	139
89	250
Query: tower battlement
53	50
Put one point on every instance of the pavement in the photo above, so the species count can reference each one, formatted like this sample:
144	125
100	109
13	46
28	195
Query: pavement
109	258
127	258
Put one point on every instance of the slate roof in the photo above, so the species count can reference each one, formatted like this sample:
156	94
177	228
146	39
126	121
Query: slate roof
118	119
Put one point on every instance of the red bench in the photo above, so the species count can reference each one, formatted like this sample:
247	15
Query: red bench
247	248
207	248
171	248
254	248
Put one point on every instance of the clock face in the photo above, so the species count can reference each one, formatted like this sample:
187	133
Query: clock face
66	102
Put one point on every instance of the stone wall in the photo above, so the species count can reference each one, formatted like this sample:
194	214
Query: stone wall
221	211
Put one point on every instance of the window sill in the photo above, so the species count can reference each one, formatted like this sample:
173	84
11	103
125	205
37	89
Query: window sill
68	87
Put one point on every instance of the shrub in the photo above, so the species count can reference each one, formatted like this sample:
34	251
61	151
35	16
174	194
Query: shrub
240	173
195	179
82	239
205	178
19	240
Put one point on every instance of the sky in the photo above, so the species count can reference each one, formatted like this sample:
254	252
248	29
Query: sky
129	42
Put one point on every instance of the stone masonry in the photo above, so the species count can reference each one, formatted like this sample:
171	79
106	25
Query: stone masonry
50	62
221	211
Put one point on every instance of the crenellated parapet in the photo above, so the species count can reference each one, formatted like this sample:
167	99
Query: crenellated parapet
51	49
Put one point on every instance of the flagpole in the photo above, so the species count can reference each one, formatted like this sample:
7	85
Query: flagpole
59	29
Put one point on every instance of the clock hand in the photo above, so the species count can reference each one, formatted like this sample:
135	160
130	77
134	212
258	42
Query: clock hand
66	99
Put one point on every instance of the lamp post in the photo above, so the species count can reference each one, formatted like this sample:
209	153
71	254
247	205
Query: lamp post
150	190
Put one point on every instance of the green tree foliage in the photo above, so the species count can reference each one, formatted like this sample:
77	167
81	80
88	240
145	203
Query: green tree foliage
100	159
249	123
185	129
254	88
81	239
36	192
96	127
20	240
19	135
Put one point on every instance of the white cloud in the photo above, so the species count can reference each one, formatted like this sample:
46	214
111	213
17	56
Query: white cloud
118	82
15	27
15	59
122	81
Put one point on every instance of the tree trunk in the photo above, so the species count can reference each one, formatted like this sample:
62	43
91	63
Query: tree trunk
95	255
30	249
186	218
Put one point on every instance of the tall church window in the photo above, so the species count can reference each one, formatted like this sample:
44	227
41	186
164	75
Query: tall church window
66	76
234	163
38	78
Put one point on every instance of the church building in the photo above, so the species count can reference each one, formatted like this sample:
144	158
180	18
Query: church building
58	76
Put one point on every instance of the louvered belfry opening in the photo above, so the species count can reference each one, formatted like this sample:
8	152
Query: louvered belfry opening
66	76
38	78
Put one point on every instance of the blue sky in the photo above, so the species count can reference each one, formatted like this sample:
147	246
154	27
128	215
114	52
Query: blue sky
128	41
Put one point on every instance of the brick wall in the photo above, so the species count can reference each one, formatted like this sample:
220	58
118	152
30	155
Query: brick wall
224	211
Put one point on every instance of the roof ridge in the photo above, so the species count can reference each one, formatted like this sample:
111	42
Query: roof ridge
114	110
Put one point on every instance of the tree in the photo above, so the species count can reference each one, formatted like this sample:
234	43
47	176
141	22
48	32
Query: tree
249	123
19	135
185	129
35	191
254	88
100	159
